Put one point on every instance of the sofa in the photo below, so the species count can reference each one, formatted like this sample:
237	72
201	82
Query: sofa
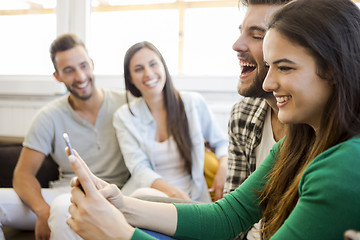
9	154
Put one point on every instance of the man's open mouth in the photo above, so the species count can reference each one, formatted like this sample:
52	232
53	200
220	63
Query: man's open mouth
82	85
247	67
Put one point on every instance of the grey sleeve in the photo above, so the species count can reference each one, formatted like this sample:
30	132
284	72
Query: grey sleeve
41	133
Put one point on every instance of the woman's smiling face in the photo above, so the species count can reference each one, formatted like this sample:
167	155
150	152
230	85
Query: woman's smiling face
301	95
147	73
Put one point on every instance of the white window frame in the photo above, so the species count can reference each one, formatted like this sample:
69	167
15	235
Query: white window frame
74	16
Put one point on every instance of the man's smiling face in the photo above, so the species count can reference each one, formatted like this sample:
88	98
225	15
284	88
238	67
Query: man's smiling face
249	49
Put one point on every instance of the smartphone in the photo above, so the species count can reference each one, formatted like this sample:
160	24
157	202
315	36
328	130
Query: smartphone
68	144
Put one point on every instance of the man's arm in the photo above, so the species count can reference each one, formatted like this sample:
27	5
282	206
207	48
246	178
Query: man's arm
28	187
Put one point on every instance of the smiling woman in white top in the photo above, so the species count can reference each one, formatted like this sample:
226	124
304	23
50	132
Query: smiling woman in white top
162	133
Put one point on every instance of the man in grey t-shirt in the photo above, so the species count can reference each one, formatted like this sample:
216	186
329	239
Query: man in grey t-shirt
86	115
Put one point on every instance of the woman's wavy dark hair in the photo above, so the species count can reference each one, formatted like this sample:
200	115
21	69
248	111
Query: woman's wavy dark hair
330	31
177	123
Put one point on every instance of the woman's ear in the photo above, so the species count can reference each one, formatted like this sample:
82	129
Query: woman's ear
92	64
328	75
130	81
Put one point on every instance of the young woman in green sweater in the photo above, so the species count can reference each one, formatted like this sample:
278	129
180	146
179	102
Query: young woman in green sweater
308	187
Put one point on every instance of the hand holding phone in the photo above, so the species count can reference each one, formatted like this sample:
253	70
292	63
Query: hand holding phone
68	144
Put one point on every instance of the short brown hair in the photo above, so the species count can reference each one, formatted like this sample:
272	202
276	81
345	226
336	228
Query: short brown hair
62	43
257	2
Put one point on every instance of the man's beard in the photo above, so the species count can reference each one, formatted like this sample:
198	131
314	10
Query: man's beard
256	90
78	96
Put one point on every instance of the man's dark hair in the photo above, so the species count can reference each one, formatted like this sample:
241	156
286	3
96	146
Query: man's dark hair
62	43
257	2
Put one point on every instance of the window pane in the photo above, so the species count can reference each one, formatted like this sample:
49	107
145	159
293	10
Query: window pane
25	4
208	39
25	42
28	28
112	33
201	0
128	2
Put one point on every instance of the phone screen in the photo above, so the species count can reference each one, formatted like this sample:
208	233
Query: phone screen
68	144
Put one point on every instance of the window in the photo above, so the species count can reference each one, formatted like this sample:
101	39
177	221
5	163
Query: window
195	37
27	30
208	39
109	44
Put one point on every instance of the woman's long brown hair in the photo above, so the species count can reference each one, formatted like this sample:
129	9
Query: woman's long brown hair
176	119
330	31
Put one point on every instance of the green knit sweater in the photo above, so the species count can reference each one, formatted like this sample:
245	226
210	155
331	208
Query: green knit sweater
329	202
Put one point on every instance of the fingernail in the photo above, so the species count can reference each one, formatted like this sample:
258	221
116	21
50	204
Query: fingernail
72	158
350	235
73	181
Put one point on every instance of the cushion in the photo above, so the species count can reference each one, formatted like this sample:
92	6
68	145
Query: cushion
9	155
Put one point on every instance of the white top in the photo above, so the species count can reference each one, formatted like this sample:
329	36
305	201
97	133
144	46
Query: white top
169	164
262	151
136	135
267	140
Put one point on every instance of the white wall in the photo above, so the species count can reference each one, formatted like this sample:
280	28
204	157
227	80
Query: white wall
21	97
